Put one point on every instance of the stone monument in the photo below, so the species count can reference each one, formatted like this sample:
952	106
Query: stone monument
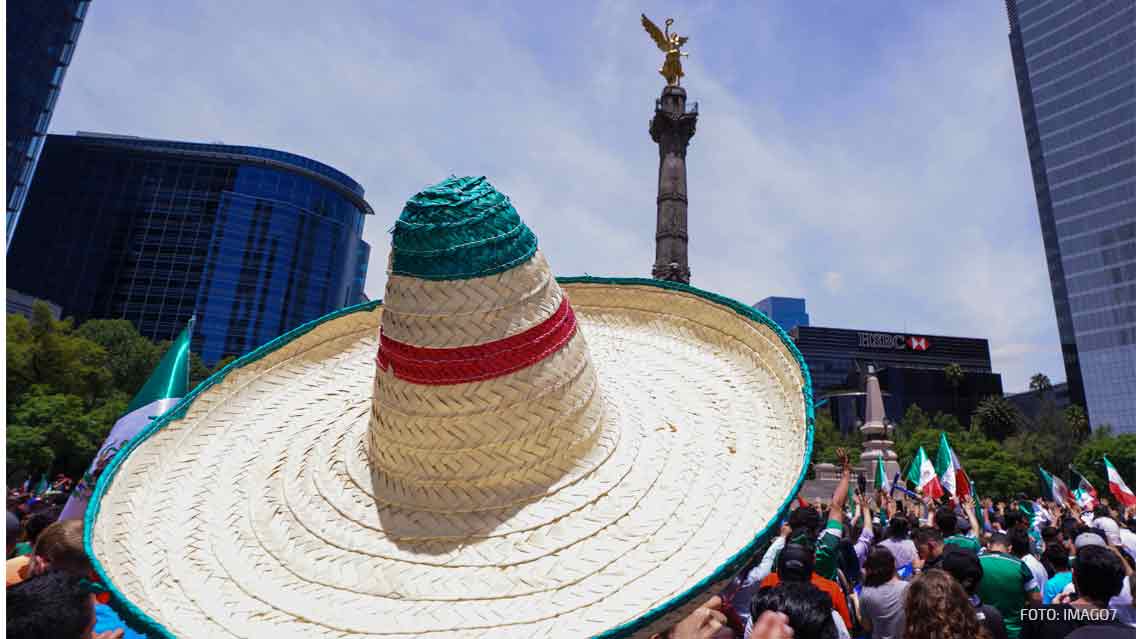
671	128
877	445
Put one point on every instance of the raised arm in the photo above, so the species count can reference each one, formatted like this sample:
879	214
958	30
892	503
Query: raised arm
968	508
840	495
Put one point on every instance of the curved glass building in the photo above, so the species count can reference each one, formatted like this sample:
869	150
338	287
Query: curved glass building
252	241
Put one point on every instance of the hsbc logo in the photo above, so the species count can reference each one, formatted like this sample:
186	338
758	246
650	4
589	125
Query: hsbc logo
918	343
894	341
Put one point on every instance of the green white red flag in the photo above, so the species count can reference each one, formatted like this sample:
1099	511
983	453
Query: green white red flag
1117	487
166	386
1084	493
922	474
1056	488
947	466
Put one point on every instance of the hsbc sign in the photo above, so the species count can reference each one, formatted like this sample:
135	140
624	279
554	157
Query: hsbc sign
894	341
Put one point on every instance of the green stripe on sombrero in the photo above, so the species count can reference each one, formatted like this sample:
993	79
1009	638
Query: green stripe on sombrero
459	228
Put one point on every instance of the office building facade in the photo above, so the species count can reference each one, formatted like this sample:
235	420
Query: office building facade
252	241
788	312
41	40
910	368
1075	63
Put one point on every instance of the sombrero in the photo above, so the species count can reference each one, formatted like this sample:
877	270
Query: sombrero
489	452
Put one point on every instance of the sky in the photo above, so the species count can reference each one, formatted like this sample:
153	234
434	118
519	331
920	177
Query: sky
866	156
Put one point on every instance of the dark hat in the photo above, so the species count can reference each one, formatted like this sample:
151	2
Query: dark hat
796	562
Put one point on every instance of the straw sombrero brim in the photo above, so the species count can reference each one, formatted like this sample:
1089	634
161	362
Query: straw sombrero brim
249	510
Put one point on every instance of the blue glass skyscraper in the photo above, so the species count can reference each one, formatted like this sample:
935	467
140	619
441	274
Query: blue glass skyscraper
252	241
788	312
41	40
1075	63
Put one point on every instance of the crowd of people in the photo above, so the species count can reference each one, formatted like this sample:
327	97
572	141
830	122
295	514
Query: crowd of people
868	566
920	568
52	589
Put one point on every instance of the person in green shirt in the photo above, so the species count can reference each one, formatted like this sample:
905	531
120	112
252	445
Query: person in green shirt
947	522
1007	583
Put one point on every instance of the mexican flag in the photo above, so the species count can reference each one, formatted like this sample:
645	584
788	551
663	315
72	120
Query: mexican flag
1117	486
1084	493
1057	489
922	475
166	386
951	475
882	482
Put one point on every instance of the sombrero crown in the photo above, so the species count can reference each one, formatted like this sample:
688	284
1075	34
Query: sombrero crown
458	461
484	394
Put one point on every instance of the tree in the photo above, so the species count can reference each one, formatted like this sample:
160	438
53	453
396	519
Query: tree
130	357
52	432
914	419
1077	421
946	422
1121	451
1040	383
997	418
827	438
954	376
46	351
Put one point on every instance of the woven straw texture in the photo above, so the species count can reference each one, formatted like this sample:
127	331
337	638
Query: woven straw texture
270	510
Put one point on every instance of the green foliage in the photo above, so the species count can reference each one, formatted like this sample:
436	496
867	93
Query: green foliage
1121	451
66	388
827	438
954	374
1077	421
997	418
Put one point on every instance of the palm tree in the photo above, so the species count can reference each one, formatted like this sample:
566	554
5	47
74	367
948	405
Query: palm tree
1077	421
954	378
1040	383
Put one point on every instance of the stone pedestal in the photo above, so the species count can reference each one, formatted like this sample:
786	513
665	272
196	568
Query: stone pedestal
671	128
877	445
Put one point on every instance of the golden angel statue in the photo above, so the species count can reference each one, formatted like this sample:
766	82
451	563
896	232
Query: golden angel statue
670	44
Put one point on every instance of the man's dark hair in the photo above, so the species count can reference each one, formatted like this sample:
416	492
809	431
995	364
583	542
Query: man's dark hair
964	566
1049	534
879	567
796	562
805	520
809	609
1013	518
898	527
1102	511
52	606
946	520
926	535
1056	556
1098	574
1019	542
998	538
37	522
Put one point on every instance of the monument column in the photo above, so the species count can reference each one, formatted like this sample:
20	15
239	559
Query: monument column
671	128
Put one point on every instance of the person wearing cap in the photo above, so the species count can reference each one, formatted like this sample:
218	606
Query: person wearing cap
1098	577
1007	583
963	564
797	563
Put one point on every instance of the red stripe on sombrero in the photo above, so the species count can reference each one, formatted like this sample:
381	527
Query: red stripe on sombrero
485	361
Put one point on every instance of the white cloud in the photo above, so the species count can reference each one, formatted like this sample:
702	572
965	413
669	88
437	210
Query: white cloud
904	193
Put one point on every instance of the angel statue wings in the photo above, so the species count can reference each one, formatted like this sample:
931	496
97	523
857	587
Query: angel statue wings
670	44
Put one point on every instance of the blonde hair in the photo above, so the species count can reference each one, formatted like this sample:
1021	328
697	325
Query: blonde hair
61	546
